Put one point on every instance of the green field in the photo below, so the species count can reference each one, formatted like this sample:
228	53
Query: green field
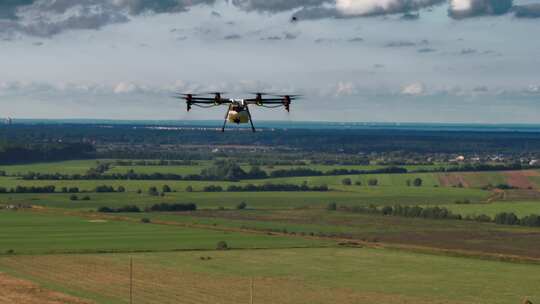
295	249
519	208
258	200
461	236
284	276
64	167
40	233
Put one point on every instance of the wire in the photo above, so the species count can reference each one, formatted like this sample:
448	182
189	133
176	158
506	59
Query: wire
204	107
271	107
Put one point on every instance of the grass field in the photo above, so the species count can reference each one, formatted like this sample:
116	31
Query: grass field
64	167
461	236
287	241
519	208
258	200
39	233
283	276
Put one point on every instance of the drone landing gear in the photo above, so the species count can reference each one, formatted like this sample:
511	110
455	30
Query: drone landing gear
226	117
250	120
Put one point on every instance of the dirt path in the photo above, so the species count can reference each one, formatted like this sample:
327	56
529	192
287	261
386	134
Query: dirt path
13	291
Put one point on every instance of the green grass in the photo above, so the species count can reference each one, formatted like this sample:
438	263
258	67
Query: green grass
300	276
37	233
258	200
519	208
181	170
64	167
391	180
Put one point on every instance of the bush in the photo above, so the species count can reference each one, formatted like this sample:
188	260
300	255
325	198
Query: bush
128	208
121	189
331	207
212	188
373	182
506	218
164	207
189	189
358	183
166	189
73	197
241	206
417	182
346	181
222	245
73	190
145	220
153	191
85	198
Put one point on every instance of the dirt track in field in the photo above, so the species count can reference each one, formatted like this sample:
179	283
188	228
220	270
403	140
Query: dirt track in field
14	291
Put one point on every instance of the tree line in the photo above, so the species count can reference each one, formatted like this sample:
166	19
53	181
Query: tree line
502	218
266	188
161	207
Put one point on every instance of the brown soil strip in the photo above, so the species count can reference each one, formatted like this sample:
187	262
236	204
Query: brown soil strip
520	179
452	180
13	290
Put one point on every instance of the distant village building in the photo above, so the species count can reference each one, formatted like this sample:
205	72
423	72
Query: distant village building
534	162
460	158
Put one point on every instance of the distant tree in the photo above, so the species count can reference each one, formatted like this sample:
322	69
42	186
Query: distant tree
241	206
85	198
189	188
346	181
73	190
417	182
145	220
358	183
331	207
121	189
373	182
153	191
222	245
73	197
166	189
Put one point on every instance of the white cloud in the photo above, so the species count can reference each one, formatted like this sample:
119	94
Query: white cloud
414	89
372	7
125	87
345	89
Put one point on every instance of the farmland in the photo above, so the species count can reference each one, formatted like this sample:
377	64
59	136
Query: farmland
346	275
300	246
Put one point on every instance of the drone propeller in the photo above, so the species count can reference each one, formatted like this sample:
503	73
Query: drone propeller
260	93
292	96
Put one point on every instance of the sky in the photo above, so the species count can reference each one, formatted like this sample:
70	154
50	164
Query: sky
450	61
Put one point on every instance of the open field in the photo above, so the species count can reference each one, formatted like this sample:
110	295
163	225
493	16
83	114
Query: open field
27	232
288	242
258	200
347	275
64	167
459	236
519	208
15	290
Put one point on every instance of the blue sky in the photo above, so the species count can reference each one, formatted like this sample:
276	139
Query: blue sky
471	61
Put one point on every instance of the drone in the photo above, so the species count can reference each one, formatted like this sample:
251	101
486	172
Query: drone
238	109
